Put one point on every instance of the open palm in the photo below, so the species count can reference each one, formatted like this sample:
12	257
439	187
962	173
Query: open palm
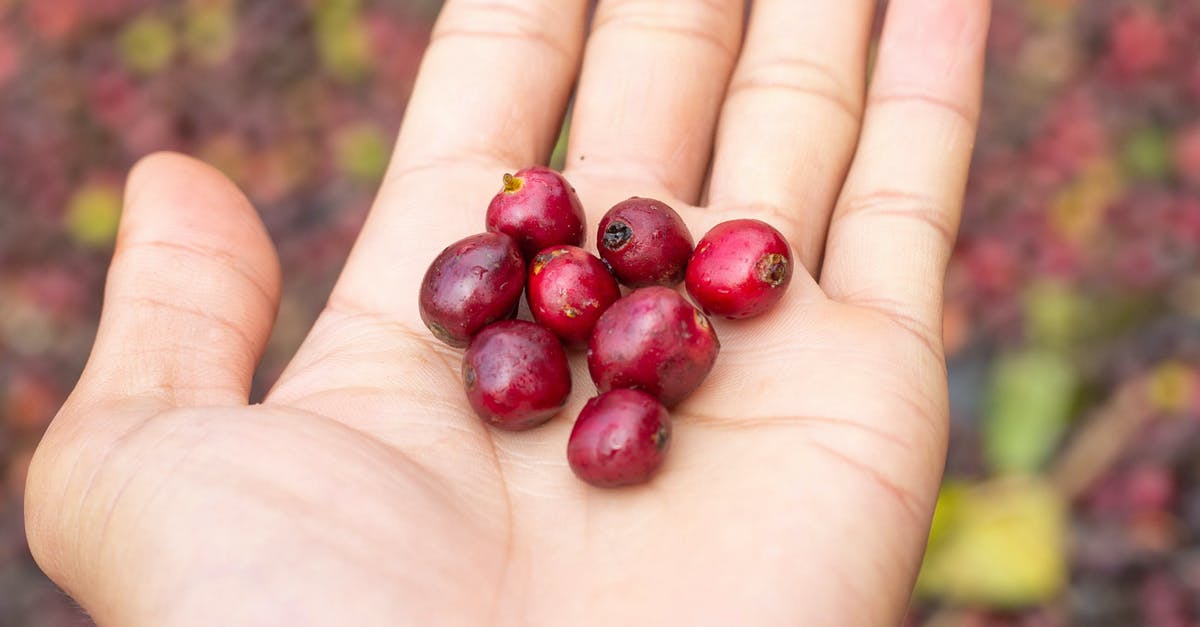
363	490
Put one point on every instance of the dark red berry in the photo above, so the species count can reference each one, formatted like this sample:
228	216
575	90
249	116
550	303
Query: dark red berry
568	289
741	269
644	242
620	438
472	283
652	340
538	208
516	375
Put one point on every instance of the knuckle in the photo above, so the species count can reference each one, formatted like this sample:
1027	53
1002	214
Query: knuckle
700	22
798	77
510	21
905	206
969	115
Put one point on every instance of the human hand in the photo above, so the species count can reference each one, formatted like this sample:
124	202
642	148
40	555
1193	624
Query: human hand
363	490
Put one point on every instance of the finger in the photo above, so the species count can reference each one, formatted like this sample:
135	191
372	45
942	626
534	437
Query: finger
489	99
791	116
653	76
494	83
896	220
191	294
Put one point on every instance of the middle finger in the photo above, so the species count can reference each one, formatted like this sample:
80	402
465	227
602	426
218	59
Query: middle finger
653	77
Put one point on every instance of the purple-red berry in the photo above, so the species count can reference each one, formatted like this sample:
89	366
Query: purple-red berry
652	340
568	290
645	243
740	269
471	284
538	208
620	438
516	375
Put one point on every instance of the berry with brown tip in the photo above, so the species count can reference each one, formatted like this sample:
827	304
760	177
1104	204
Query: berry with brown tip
652	340
538	208
568	289
741	268
644	242
620	438
516	375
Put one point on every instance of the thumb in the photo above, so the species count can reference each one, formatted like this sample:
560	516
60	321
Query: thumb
192	290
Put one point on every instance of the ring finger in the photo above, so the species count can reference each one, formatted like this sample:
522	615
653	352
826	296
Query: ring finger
653	76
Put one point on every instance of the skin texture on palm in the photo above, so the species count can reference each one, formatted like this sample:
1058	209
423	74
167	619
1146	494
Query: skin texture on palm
364	491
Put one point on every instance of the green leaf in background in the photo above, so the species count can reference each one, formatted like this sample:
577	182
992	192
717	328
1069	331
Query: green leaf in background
342	41
558	159
1146	154
147	44
1050	13
361	151
1171	387
1054	314
948	512
1029	401
93	213
209	32
1000	544
1077	210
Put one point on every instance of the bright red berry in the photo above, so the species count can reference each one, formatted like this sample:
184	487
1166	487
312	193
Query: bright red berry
471	284
741	268
516	375
652	340
620	438
538	208
644	242
568	290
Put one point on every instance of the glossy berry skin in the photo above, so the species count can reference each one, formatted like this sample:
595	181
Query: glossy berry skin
741	268
568	289
471	284
538	208
620	438
644	242
652	340
516	375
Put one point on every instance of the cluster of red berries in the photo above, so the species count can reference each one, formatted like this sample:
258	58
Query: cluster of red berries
646	351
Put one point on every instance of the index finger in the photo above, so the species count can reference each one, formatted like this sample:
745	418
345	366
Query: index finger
489	99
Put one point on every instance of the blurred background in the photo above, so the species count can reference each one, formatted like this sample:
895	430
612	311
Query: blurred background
1072	494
